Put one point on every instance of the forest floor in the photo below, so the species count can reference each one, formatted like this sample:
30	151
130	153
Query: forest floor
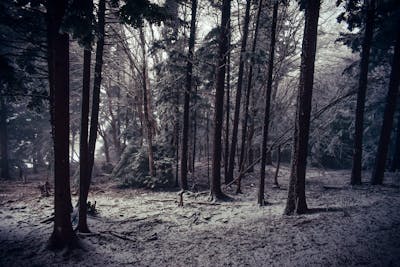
347	226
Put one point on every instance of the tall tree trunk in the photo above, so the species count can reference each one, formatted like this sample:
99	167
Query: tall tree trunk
83	146
4	165
94	118
395	166
390	108
267	106
216	191
296	201
208	148
177	141
227	107
146	104
194	133
362	88
244	148
58	61
235	126
186	107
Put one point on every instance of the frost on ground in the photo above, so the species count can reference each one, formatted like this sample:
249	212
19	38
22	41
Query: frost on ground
347	226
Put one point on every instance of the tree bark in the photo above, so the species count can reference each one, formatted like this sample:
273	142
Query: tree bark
227	107
83	146
216	191
208	148
267	106
186	107
390	108
235	126
5	169
194	134
362	88
244	148
94	118
58	62
296	201
177	141
146	104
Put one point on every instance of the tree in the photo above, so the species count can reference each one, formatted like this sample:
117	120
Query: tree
58	63
94	117
227	106
362	87
267	105
223	41
188	88
390	108
296	201
244	149
84	148
235	126
146	103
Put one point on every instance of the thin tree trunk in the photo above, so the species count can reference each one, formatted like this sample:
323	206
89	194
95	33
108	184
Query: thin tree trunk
396	157
362	88
208	148
83	146
94	118
186	107
243	150
390	108
227	107
296	202
235	126
58	62
216	191
177	137
267	106
5	169
278	164
194	134
146	111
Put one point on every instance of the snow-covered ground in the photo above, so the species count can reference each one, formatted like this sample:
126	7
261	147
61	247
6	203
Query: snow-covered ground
347	226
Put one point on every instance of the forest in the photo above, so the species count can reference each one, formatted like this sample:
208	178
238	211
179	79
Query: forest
199	133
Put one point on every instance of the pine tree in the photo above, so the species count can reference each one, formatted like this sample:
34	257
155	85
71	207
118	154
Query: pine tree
361	93
215	185
244	148
390	108
296	201
267	106
235	126
58	61
189	70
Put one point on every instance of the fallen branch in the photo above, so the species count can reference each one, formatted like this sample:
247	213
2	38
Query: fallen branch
123	237
205	203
